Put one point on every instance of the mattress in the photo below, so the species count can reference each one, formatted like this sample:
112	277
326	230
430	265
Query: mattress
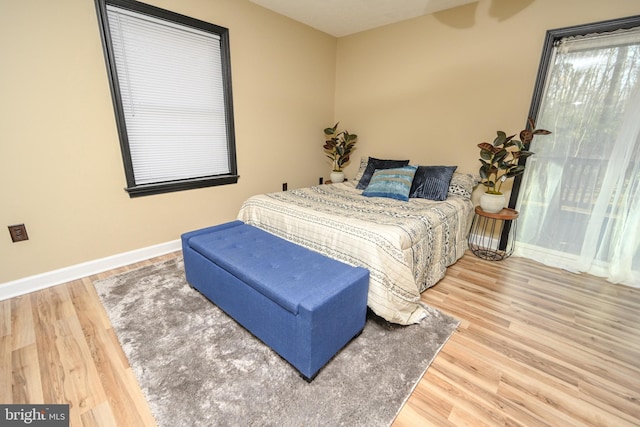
406	246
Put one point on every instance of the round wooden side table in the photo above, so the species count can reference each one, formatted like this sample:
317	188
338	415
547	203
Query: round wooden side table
486	233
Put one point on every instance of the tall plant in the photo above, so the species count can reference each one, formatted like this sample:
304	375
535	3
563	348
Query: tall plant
501	160
339	146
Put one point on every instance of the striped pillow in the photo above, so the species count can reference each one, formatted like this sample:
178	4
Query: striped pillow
393	183
374	164
432	182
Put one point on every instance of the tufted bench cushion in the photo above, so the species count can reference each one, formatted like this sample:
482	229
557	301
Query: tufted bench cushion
302	304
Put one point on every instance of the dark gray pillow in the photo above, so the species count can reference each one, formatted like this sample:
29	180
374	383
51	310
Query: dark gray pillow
432	182
374	164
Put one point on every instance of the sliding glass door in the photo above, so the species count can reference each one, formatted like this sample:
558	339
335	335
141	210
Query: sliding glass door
580	196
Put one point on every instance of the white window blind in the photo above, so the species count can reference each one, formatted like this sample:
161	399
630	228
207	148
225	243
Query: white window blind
172	90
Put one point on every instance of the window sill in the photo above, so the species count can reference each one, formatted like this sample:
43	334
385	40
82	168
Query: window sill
189	184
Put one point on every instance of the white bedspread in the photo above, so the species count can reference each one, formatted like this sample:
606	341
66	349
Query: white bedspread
405	245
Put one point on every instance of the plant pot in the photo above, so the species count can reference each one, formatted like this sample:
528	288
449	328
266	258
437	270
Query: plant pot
337	177
492	203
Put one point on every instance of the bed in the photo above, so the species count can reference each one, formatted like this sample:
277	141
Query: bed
405	245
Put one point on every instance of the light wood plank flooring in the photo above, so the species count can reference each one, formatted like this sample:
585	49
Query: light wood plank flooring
536	347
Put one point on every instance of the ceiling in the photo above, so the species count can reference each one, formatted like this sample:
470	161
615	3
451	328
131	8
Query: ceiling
343	17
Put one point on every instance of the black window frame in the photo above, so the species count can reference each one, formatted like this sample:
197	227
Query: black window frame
132	188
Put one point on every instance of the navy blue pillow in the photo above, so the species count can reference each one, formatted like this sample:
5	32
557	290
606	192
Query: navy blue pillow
432	182
374	164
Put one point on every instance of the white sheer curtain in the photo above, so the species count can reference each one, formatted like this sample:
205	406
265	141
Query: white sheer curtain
580	196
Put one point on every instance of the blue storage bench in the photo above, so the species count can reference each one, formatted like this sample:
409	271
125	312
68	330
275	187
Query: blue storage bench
302	304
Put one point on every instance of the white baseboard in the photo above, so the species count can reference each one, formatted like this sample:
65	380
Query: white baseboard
56	277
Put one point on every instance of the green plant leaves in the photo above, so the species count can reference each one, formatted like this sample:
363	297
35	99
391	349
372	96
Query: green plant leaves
502	138
515	171
501	159
331	131
339	146
500	156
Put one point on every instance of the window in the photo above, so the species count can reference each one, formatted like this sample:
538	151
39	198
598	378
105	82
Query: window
171	86
579	199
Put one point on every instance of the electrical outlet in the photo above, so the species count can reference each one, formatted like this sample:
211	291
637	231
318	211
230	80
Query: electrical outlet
18	233
284	186
320	180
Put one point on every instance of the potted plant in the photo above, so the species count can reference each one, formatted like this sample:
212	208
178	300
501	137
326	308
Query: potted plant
338	147
501	161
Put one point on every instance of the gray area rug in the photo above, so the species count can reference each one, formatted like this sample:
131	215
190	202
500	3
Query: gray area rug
198	367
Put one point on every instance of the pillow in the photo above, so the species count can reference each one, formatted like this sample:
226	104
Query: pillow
462	184
393	183
432	182
364	160
373	164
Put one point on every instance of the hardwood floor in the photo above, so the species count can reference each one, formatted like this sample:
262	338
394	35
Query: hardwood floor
537	346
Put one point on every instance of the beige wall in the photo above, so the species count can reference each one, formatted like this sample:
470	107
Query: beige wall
428	89
61	170
431	88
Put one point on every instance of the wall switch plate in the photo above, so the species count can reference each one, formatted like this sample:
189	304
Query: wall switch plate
18	233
